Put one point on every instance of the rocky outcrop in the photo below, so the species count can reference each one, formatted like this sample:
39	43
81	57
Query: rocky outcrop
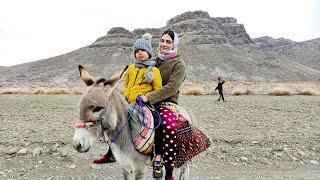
120	37
116	37
306	53
153	31
270	43
188	16
194	28
199	28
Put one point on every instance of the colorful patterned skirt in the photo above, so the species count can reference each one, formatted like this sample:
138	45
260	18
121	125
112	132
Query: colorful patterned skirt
182	140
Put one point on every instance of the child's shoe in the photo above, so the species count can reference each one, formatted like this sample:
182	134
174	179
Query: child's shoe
104	159
157	170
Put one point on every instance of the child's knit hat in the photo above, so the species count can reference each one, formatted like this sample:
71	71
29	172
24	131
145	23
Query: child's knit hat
143	43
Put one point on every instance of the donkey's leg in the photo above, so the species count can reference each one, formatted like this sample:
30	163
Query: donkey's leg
140	174
184	172
128	175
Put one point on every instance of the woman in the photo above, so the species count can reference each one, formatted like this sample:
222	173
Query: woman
172	69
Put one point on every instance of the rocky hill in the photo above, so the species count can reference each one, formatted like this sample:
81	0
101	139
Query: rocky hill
209	45
306	53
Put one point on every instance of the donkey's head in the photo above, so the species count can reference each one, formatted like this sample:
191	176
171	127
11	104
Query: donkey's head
95	110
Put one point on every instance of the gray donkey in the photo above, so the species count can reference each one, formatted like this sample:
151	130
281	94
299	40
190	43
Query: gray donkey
103	114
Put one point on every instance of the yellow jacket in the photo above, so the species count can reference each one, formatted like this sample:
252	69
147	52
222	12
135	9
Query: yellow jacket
135	84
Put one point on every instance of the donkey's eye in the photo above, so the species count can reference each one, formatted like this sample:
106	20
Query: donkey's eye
97	109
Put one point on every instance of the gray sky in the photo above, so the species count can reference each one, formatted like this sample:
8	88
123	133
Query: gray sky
37	29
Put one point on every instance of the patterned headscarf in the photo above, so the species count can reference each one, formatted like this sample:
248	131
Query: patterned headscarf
172	53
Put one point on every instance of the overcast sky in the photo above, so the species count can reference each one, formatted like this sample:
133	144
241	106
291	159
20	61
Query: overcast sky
37	29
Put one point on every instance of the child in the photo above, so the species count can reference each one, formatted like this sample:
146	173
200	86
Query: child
219	88
141	78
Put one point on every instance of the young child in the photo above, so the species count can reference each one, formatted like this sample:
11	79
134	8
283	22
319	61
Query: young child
219	88
141	78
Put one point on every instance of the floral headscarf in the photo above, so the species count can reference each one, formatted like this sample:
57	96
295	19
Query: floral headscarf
172	53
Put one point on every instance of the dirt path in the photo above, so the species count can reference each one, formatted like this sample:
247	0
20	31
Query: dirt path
254	137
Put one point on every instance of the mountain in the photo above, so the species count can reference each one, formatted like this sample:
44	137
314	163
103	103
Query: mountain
306	53
209	46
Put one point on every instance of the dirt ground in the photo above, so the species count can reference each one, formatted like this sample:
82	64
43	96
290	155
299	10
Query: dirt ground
253	137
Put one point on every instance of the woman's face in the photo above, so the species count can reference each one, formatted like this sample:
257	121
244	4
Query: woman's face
166	43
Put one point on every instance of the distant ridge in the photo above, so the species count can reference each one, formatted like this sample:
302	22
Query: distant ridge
209	46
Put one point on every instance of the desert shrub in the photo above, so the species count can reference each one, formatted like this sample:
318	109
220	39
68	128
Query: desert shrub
40	90
14	91
248	92
281	91
238	91
308	92
76	90
57	90
213	93
63	86
194	91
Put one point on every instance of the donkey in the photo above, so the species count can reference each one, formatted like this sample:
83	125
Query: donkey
103	114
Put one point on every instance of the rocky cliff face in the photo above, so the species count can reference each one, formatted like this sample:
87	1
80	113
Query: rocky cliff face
209	46
306	53
194	28
269	43
199	28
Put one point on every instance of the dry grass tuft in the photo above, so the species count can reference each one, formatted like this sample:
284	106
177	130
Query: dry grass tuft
34	89
239	91
308	92
40	90
76	90
196	91
214	93
281	91
57	90
14	90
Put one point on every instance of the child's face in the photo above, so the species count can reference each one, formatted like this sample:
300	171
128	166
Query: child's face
166	43
141	54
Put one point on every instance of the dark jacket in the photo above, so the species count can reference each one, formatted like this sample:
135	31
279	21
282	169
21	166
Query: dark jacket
173	73
219	86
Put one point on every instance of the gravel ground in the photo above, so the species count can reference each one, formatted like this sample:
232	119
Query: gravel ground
254	137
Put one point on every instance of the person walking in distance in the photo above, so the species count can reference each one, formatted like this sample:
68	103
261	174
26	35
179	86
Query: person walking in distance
220	89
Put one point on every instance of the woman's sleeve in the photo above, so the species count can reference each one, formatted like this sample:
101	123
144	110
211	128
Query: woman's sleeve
172	87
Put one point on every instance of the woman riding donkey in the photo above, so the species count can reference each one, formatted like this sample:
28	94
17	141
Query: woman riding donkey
177	141
172	69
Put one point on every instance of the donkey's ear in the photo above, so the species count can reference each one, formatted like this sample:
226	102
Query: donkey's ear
113	80
85	76
116	77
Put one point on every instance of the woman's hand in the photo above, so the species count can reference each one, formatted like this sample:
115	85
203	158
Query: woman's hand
144	98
